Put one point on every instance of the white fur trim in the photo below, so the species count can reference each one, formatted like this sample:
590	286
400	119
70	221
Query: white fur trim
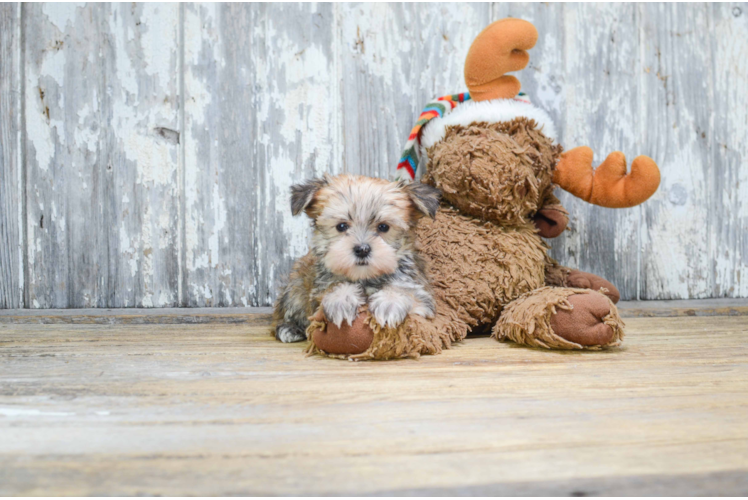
498	110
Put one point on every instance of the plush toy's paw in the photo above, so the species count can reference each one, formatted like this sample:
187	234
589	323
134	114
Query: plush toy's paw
389	307
352	338
551	221
286	332
342	303
580	279
584	323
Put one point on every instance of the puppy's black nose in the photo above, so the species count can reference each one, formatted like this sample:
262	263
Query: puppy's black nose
362	251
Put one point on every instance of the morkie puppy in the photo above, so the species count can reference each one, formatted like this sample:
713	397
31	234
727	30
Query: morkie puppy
362	252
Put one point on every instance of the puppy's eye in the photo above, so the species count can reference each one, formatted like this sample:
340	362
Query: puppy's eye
342	227
383	228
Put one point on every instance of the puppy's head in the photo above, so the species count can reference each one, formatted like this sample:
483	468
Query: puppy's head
362	225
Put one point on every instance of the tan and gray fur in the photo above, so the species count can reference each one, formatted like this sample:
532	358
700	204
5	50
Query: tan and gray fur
363	251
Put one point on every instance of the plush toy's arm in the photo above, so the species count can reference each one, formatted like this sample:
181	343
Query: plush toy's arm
551	200
551	218
558	275
608	185
555	273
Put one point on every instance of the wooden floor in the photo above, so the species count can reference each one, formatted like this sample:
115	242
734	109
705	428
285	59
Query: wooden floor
216	409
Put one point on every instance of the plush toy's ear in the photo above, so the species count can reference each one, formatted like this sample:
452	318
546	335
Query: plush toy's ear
303	195
424	197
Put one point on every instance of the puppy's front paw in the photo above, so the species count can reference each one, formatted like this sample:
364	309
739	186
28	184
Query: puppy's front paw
288	332
390	307
342	303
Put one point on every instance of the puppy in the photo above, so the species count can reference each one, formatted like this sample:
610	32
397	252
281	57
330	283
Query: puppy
362	252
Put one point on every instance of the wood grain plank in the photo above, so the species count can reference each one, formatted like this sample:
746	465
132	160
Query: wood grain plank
141	202
676	131
602	112
180	409
214	250
65	93
729	147
102	109
11	199
379	98
261	104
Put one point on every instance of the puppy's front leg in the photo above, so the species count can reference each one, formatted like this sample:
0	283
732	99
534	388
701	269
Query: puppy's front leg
390	306
342	303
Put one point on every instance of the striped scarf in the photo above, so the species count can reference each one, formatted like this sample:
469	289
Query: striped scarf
406	168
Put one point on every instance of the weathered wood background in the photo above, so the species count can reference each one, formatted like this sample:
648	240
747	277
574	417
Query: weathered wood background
146	150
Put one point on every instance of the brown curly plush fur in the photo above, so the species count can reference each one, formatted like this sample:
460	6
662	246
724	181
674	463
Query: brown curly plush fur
499	172
476	267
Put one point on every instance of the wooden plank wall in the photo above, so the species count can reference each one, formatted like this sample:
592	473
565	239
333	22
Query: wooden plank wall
11	221
146	150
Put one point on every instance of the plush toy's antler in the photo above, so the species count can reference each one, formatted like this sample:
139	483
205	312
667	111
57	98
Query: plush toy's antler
501	48
608	185
498	49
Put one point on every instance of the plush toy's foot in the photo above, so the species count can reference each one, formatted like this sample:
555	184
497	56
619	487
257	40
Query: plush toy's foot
584	323
346	339
561	318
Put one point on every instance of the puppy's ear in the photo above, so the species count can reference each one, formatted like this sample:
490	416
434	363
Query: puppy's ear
424	197
303	195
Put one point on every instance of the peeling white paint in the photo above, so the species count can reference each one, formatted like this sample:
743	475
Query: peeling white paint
60	14
126	73
198	20
372	40
157	55
551	85
201	261
144	115
730	229
40	129
153	161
